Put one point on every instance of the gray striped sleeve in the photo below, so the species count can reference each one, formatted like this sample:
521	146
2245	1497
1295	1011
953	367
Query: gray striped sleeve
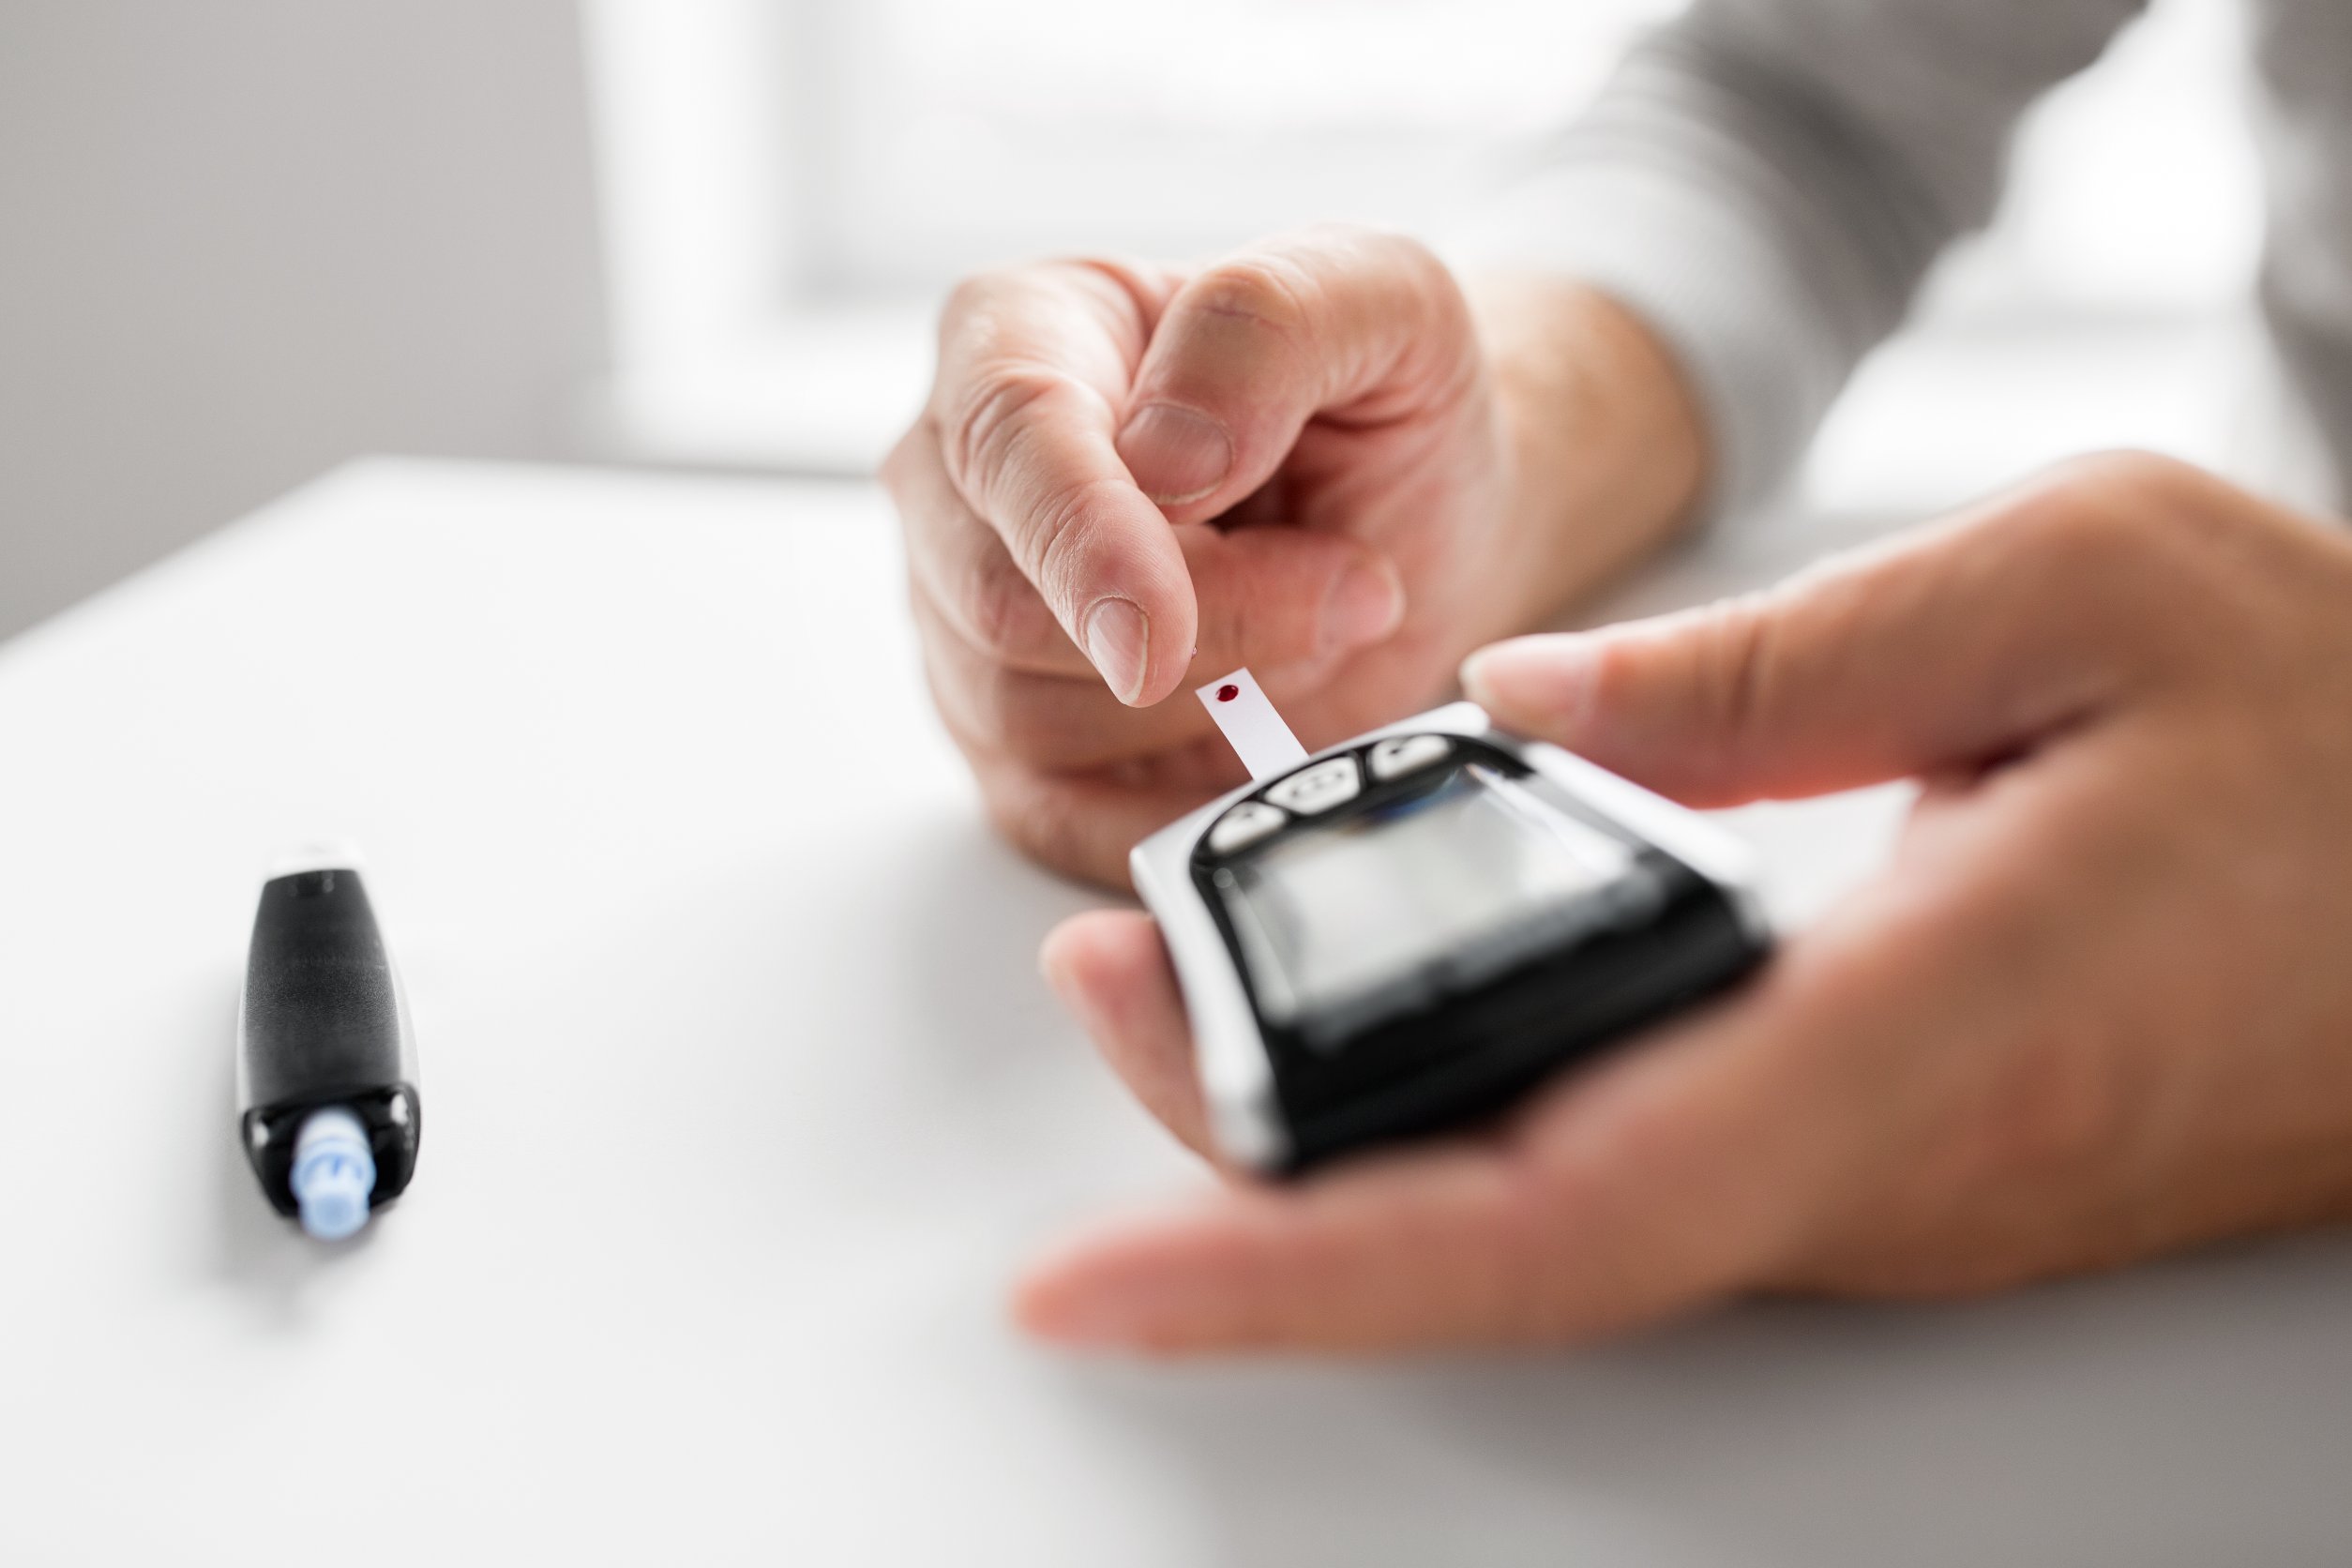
1766	182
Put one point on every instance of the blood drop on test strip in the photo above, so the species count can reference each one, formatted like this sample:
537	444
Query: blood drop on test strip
1251	725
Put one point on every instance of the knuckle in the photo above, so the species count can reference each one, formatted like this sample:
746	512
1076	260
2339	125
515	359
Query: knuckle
2127	474
981	296
980	701
1219	629
2107	506
1407	273
1932	1261
1266	610
969	690
1042	521
1004	613
2100	534
1267	288
1358	246
897	465
987	417
1056	547
1237	624
1126	288
1338	235
977	296
1745	640
2045	1108
1022	718
987	424
1402	256
1029	813
1728	656
1719	670
2061	1109
1530	1295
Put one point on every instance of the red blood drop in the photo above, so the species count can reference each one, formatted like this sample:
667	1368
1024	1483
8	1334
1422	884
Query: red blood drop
1228	692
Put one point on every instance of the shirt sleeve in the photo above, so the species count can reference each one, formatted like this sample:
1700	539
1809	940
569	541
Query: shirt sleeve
1766	182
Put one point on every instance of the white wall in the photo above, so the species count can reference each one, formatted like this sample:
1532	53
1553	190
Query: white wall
244	239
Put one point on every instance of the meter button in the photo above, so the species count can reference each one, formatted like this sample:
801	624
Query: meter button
1399	755
1317	789
1243	825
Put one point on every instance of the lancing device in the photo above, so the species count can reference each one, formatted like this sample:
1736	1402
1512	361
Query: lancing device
326	1054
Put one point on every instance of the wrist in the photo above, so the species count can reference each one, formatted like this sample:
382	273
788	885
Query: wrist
1603	438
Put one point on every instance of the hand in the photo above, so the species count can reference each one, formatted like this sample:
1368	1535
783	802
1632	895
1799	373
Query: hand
2098	1007
1363	484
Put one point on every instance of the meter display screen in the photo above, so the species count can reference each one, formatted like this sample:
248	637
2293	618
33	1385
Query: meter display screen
1378	910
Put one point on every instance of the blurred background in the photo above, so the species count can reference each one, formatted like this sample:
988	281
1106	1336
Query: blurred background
243	241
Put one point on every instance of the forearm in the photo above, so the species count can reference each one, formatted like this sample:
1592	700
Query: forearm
1766	182
1604	440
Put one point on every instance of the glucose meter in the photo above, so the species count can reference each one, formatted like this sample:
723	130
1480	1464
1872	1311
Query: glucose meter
1411	929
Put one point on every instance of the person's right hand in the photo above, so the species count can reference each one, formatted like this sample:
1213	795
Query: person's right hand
1309	458
2096	1008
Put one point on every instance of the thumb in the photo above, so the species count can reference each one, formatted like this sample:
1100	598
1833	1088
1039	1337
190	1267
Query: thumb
1948	649
1254	346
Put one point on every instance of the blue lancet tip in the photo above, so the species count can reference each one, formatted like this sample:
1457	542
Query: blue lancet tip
334	1172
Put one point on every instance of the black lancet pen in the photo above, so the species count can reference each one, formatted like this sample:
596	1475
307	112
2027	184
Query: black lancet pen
326	1054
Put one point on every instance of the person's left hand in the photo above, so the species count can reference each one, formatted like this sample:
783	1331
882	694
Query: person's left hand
2098	1007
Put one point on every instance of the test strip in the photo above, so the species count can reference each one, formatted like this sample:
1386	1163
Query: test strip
1251	725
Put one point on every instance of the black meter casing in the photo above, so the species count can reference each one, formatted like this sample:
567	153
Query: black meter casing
1408	932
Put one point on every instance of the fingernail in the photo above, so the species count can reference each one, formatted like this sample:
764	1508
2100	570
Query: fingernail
1175	454
1118	637
1362	606
1546	682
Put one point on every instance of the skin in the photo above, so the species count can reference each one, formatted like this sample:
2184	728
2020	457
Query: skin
2097	1008
1320	457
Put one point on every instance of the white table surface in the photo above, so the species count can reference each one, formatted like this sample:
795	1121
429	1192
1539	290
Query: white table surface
742	1101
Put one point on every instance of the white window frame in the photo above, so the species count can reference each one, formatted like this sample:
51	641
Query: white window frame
717	357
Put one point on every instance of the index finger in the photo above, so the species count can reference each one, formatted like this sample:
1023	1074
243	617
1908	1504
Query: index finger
1033	365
